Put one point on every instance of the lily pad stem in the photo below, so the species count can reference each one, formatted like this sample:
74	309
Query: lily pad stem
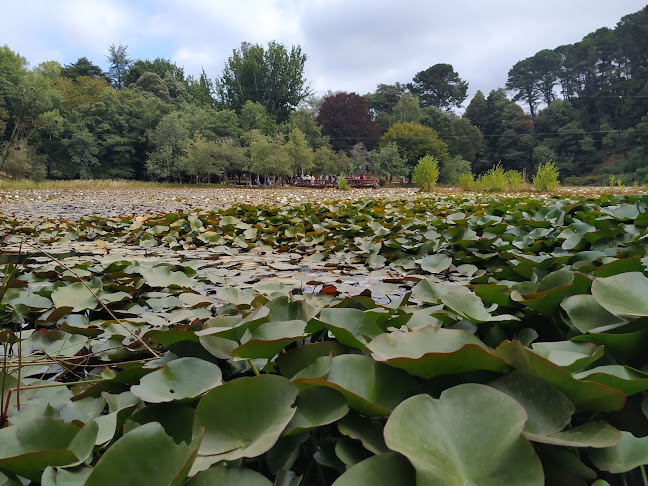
643	475
254	368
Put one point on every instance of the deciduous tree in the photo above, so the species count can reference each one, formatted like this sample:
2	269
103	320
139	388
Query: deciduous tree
346	119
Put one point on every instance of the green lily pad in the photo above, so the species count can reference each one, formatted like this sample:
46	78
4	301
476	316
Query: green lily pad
586	396
28	448
296	359
316	407
629	453
436	263
588	315
596	435
56	476
164	276
160	461
350	326
469	306
371	388
381	470
623	378
245	417
548	410
471	435
228	476
623	295
571	355
430	351
179	379
270	338
75	295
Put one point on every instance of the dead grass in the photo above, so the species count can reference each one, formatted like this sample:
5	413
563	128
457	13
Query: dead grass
93	184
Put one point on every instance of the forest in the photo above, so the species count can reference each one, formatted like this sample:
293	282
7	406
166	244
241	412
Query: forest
583	106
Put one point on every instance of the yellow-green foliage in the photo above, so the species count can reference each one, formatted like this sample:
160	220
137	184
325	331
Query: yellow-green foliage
546	177
467	181
342	183
514	178
615	181
426	173
494	180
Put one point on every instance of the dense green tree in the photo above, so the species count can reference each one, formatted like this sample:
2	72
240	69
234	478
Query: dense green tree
168	140
304	119
407	109
328	162
159	66
451	168
254	116
201	90
83	67
300	155
201	161
440	86
533	79
268	157
272	76
414	142
462	137
385	97
477	111
388	161
152	83
119	64
346	119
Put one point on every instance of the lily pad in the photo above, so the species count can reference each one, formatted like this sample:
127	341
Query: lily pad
381	470
472	434
177	380
623	295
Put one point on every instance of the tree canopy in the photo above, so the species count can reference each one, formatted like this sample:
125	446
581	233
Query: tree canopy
272	76
346	119
440	86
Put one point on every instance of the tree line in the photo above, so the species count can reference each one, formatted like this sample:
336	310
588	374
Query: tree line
586	109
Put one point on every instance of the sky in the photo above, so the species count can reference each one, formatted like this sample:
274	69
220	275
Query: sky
352	45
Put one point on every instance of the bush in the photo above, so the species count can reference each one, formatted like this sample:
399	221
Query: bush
342	183
426	173
451	167
467	181
494	180
514	178
546	177
588	180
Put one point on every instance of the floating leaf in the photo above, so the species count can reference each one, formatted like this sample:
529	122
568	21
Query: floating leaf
350	326
465	303
371	388
179	379
160	461
629	453
436	263
430	351
623	295
571	355
623	378
245	417
381	470
75	295
471	435
587	314
316	407
270	338
228	476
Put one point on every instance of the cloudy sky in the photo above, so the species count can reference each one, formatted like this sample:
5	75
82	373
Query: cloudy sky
352	45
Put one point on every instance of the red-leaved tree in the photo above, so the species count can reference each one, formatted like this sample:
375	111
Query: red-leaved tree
346	119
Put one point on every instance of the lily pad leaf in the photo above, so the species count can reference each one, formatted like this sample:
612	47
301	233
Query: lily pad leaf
548	410
56	476
316	407
75	295
245	416
623	378
588	315
159	461
350	326
381	470
430	351
28	448
164	276
436	263
623	295
571	355
629	453
179	379
595	434
586	396
472	434
371	388
270	338
229	476
469	306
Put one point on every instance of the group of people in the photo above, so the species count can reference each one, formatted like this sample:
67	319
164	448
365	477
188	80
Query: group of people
309	180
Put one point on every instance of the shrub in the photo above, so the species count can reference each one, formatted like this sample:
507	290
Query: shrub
514	178
494	180
614	181
426	173
451	167
546	177
342	183
467	181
